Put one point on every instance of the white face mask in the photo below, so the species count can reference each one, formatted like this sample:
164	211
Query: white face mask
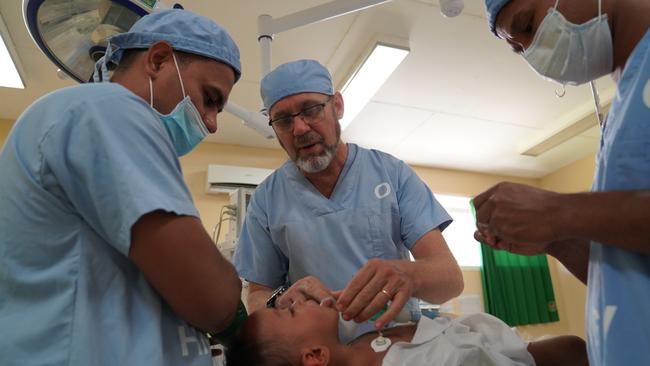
569	53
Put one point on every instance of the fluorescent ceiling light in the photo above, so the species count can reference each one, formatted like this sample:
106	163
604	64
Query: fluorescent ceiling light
369	77
9	76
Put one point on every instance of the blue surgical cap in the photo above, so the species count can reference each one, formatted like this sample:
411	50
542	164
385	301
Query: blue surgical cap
302	76
185	32
492	8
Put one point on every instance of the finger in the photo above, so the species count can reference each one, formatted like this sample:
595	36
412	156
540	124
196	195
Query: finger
315	291
357	283
491	240
484	215
365	297
375	306
483	197
398	302
479	237
484	237
504	245
337	294
288	298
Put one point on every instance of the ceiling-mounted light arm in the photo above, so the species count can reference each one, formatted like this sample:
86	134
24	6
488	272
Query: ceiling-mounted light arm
265	37
317	14
268	27
254	120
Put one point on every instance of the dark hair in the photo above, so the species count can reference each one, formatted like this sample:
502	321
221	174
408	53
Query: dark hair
247	352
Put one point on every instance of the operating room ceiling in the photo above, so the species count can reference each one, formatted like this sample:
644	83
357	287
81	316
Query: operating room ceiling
461	99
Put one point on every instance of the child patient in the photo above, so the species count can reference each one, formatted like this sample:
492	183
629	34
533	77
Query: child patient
307	334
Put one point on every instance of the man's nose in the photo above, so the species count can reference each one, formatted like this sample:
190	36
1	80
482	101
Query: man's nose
300	127
210	121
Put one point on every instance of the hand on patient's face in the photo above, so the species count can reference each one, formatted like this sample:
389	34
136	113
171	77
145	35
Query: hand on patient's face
308	288
376	283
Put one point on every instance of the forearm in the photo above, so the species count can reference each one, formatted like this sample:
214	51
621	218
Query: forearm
215	292
435	279
180	261
574	255
223	299
620	219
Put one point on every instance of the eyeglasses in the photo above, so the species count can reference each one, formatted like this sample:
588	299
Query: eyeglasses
310	115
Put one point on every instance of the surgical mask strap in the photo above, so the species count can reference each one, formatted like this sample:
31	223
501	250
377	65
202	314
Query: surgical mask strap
150	93
600	9
179	74
178	71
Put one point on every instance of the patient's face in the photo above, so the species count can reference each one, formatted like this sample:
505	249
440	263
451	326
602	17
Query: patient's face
304	321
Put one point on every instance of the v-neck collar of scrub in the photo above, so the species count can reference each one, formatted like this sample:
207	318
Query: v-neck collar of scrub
315	200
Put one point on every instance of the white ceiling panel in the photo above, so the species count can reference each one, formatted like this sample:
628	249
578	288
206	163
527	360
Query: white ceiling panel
454	139
382	126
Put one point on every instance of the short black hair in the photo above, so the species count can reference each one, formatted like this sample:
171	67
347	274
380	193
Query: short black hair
243	351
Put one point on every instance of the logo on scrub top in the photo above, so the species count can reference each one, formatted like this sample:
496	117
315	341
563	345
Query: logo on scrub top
382	190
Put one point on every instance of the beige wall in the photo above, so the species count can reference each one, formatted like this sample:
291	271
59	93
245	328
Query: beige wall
5	126
570	294
195	165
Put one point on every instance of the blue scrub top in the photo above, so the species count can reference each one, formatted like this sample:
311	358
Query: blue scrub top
79	168
618	315
379	209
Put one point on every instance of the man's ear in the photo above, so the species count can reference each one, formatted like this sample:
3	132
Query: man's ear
339	106
315	356
159	54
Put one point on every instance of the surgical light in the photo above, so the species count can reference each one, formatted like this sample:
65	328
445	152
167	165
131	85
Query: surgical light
383	60
73	33
9	76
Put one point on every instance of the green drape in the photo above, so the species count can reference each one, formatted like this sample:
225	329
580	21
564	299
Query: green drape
517	289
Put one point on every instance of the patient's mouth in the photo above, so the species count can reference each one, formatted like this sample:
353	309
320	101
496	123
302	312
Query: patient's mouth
328	302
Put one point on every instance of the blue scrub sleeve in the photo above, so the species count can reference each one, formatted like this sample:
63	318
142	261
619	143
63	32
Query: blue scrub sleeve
112	162
420	212
257	258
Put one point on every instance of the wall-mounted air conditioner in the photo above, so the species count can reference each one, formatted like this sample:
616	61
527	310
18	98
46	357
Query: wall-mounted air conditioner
227	178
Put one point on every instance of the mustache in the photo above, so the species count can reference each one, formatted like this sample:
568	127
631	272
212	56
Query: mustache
309	138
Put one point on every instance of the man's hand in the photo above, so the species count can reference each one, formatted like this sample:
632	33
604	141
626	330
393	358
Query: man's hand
517	248
376	283
307	288
514	213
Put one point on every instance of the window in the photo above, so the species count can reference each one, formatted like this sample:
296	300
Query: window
459	235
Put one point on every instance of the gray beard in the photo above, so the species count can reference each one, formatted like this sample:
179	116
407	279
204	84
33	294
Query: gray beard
317	163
